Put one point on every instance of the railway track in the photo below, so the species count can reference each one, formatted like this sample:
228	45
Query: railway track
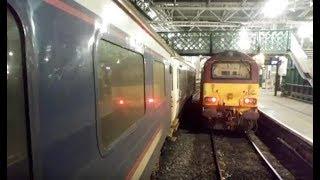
244	156
269	153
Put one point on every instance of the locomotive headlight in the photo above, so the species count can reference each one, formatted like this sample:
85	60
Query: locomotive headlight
247	100
210	100
213	99
250	100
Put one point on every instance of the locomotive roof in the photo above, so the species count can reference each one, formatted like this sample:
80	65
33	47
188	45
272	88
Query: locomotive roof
230	56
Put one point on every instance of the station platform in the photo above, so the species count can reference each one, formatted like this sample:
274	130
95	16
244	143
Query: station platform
294	114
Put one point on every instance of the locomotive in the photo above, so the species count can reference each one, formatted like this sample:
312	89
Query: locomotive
92	90
230	91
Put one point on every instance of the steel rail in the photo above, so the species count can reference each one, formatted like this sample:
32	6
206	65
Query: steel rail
266	160
215	154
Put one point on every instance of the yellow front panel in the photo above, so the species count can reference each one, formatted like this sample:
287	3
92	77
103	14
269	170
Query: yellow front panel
230	94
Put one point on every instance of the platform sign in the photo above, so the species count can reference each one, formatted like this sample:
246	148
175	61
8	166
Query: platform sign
273	61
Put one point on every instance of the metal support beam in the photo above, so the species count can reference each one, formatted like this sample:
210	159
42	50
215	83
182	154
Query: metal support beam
181	13
230	16
198	15
226	24
215	15
208	42
304	13
218	6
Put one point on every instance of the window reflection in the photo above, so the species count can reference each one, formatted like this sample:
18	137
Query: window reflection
158	82
17	159
120	90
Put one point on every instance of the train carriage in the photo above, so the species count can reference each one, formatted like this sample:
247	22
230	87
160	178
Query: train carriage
230	90
90	89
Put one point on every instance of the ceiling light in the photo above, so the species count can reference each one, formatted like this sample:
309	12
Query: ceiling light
152	14
274	8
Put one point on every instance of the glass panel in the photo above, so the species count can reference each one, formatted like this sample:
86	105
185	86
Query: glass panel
121	90
17	152
231	70
158	82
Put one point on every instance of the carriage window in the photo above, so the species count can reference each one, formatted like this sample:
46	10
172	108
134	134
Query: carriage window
231	70
121	100
159	91
17	151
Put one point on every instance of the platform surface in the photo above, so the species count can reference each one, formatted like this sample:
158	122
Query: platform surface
294	114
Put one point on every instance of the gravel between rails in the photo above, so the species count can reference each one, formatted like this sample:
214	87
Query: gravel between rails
237	158
189	157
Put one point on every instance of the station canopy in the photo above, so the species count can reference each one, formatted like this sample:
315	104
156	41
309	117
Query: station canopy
205	27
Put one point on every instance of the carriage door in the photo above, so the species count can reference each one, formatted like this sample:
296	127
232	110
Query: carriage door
173	78
18	164
170	83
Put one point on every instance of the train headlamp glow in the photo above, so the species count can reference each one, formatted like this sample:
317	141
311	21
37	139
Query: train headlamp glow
213	99
121	102
250	101
247	100
210	100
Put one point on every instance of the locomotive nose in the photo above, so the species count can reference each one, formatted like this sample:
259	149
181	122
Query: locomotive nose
229	96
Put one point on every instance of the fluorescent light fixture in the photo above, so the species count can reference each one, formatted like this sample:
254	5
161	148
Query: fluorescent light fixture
170	35
274	8
152	14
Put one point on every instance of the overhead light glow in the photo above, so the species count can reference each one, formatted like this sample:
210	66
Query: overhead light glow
10	53
170	35
244	43
110	14
292	9
274	8
259	58
306	31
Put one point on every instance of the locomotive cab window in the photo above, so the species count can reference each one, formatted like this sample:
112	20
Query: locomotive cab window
231	70
159	91
120	86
